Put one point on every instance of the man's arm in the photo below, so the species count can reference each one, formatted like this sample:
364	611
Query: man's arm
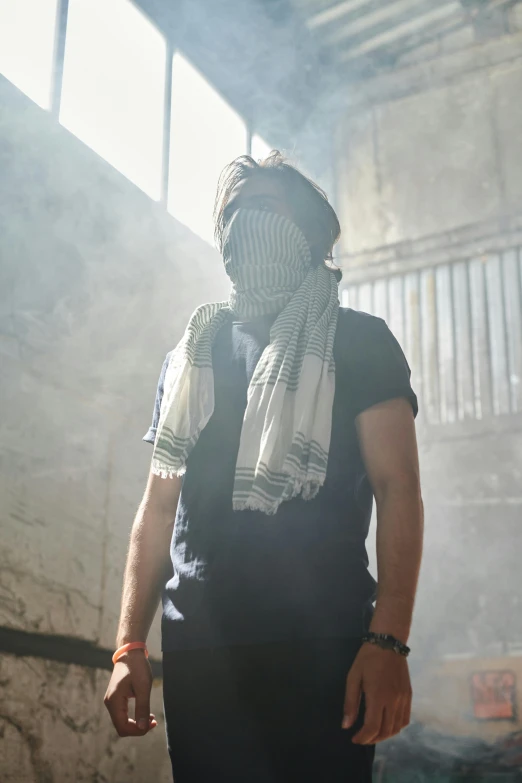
389	450
148	560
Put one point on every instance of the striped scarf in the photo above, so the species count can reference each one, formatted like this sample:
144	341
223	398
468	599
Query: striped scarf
285	438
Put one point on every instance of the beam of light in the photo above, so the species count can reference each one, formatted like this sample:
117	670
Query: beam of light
114	85
336	12
260	149
387	13
206	134
27	33
445	10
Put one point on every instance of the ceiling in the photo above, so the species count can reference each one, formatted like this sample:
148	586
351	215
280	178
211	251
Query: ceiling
365	37
279	61
258	53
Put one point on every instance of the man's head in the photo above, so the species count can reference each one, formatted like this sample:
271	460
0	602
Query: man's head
277	186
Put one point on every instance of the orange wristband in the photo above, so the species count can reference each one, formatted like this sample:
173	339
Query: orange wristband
130	646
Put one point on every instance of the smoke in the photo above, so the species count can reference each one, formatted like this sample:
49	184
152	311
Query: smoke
418	144
423	755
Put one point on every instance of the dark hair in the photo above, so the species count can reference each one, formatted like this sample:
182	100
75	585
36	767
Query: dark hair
313	213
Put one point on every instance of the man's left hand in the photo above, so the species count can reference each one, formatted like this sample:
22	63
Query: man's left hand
384	678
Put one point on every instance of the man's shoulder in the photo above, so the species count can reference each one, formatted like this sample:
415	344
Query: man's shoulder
360	337
356	325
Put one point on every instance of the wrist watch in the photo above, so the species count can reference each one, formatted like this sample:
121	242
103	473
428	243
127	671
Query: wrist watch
387	642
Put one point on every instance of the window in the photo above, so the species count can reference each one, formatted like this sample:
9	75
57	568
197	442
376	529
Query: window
260	149
27	32
206	134
113	87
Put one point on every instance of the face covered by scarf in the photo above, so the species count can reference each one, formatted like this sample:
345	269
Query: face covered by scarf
267	258
285	438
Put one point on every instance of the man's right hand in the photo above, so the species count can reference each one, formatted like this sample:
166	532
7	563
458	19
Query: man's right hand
131	679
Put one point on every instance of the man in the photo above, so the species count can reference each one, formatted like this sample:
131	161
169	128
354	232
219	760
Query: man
278	417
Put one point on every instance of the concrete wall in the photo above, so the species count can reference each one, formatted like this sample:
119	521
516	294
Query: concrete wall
429	172
54	728
97	283
431	148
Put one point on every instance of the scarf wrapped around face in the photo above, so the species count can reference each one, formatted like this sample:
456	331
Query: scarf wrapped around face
285	437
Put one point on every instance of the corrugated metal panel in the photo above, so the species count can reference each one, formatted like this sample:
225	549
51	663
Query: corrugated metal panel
446	345
479	339
380	299
464	355
396	307
349	297
460	326
366	298
430	368
497	336
412	331
513	292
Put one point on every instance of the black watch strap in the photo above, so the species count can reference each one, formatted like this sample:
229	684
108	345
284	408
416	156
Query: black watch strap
387	642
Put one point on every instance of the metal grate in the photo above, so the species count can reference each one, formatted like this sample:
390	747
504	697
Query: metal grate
460	326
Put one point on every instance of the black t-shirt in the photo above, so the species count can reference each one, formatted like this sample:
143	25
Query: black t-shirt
244	577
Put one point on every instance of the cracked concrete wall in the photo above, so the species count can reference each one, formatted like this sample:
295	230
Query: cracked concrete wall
54	728
97	283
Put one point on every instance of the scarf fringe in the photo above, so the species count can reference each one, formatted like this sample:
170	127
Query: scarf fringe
307	488
165	472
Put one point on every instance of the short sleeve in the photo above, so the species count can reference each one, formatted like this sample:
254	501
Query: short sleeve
378	368
150	437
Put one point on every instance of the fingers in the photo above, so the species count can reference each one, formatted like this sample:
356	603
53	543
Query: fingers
121	689
384	679
117	702
395	720
352	700
142	711
398	723
373	719
404	718
118	707
387	730
132	729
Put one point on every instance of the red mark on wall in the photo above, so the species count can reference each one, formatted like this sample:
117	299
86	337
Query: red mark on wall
493	695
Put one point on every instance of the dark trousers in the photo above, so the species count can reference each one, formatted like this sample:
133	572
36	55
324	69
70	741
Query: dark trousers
263	714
